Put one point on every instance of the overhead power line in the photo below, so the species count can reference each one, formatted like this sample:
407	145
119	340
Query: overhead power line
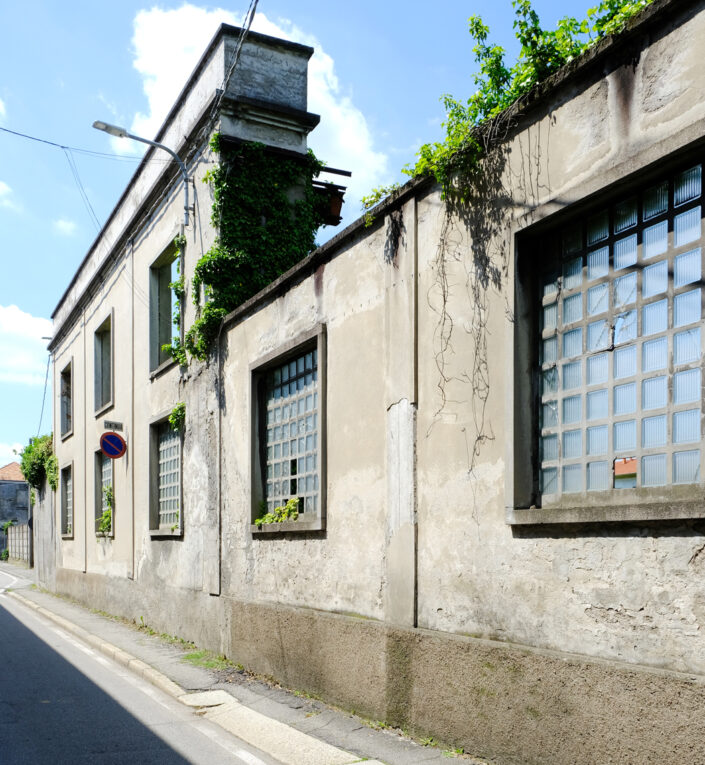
81	190
44	396
89	152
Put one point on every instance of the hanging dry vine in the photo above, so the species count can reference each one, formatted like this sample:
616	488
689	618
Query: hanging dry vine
471	166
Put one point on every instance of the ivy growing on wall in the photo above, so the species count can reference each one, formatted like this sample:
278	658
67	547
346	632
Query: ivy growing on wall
266	213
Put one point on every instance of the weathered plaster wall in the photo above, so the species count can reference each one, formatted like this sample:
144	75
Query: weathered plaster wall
625	592
141	396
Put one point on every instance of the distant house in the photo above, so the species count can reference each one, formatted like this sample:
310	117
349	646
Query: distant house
14	494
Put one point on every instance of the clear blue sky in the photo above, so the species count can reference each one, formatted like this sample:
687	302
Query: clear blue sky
376	80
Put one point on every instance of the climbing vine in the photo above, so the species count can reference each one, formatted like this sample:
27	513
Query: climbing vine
105	522
287	512
375	196
38	461
177	418
470	166
454	162
266	213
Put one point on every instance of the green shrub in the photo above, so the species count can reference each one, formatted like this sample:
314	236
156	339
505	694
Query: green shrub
38	462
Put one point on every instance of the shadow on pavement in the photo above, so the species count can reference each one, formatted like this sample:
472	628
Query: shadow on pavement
51	713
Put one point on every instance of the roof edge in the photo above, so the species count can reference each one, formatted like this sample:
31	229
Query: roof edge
220	33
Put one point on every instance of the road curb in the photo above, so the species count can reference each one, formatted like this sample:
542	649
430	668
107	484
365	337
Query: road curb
236	718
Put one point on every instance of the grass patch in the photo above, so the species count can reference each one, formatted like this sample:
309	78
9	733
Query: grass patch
302	694
209	660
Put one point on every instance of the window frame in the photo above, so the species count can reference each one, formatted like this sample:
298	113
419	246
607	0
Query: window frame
67	371
155	530
106	327
98	493
316	338
158	319
68	468
654	503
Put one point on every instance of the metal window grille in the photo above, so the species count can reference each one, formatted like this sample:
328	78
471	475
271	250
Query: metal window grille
292	433
620	378
169	475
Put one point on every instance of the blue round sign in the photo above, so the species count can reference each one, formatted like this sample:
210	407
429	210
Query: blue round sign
112	445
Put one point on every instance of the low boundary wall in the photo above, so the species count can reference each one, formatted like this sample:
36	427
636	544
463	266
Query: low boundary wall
504	702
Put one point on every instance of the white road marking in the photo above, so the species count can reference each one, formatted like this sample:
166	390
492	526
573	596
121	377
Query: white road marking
13	583
243	754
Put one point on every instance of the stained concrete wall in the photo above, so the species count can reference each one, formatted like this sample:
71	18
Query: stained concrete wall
625	592
419	603
47	540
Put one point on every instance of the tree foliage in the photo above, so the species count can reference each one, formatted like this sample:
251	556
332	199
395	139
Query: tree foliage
543	52
38	462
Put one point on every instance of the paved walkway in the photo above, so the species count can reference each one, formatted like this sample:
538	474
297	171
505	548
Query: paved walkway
297	729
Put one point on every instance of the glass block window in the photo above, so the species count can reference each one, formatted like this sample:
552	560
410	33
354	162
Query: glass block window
620	344
66	501
290	432
106	480
169	475
103	480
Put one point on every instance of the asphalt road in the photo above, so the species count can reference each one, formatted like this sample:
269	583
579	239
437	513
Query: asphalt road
61	702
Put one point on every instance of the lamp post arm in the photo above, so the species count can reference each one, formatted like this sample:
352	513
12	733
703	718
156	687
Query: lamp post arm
180	162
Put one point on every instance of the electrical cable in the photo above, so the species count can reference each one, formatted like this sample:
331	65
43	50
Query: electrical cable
44	396
81	190
88	152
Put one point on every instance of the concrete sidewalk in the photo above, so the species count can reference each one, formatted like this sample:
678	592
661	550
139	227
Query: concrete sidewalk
292	728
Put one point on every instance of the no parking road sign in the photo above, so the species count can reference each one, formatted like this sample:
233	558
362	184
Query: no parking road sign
112	445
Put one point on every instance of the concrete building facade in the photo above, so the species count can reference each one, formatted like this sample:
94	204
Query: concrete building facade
491	414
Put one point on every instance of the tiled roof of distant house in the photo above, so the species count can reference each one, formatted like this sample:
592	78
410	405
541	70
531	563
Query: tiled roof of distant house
11	472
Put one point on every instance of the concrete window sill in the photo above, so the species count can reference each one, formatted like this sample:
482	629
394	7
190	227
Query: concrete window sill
105	535
639	509
165	532
165	366
288	527
104	408
68	536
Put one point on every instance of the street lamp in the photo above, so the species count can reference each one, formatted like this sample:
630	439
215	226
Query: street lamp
122	133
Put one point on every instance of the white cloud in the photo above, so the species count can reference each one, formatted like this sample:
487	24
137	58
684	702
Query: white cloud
7	453
3	110
167	45
6	199
64	227
23	354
